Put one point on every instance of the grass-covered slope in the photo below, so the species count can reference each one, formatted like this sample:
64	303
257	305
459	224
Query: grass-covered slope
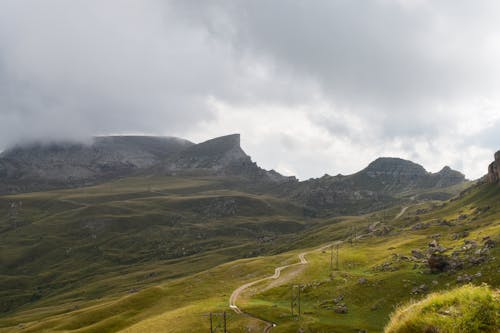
121	236
387	264
472	309
129	277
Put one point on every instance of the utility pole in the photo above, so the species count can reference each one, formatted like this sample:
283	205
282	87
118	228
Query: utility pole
295	300
337	257
13	213
299	301
215	321
225	326
331	258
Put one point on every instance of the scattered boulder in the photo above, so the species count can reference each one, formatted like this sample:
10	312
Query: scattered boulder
362	280
341	308
435	247
469	244
458	235
489	243
379	229
466	278
338	299
438	263
421	289
420	226
445	223
417	254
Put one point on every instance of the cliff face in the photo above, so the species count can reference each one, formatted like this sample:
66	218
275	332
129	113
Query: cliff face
494	170
41	166
221	156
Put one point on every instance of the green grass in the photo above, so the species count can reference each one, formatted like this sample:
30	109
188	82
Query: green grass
473	309
370	304
152	255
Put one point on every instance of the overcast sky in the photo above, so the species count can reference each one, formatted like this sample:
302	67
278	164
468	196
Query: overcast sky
314	87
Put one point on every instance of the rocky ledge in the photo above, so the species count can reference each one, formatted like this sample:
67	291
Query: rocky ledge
494	170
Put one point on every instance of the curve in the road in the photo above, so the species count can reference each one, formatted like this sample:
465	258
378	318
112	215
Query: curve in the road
276	275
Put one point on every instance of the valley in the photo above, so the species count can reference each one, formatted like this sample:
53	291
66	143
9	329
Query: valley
156	252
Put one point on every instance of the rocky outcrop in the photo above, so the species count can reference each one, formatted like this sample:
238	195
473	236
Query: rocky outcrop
222	156
494	170
377	186
40	166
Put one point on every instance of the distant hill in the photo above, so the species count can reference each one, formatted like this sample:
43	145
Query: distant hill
34	167
38	166
137	250
221	156
384	181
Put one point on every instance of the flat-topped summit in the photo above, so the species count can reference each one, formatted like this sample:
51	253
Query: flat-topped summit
37	166
212	154
221	156
34	166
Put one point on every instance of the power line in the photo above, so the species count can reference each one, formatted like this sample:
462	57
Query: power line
295	301
218	320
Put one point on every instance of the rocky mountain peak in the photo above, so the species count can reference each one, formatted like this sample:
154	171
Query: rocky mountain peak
214	155
394	167
494	170
220	156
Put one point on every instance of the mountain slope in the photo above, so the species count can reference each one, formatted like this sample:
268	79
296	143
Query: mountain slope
376	271
383	182
40	166
221	156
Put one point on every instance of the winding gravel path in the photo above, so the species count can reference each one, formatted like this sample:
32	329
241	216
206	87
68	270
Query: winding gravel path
277	273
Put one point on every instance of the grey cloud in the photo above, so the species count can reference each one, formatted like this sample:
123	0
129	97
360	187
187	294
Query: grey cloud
92	67
398	67
394	64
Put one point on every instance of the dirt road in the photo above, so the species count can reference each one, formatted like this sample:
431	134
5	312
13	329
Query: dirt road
277	273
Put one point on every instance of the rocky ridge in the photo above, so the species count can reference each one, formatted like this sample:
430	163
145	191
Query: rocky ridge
41	166
493	175
222	156
381	183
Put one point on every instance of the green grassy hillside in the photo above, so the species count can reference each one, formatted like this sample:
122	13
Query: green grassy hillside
145	229
158	254
465	309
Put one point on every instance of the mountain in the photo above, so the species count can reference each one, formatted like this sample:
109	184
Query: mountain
493	175
383	182
221	156
39	166
140	253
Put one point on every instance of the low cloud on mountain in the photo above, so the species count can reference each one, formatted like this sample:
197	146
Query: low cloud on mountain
313	87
